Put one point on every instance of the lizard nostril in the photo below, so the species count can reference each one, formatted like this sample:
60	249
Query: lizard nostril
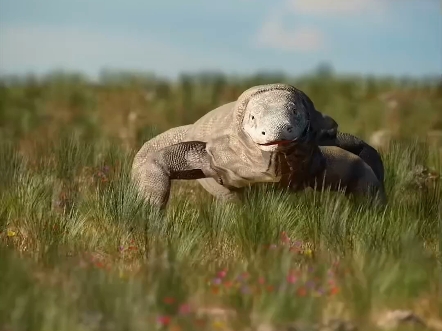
263	133
289	129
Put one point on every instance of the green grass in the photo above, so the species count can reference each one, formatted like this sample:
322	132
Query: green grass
127	105
80	251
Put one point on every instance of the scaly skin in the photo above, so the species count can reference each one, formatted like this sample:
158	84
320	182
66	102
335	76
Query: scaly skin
185	160
283	111
347	171
358	147
332	167
233	146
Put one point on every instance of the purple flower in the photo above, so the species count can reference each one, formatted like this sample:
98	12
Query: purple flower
216	281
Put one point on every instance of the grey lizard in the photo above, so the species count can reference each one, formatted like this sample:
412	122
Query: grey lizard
250	140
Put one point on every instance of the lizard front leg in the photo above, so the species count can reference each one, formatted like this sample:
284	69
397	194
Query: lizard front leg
220	192
186	160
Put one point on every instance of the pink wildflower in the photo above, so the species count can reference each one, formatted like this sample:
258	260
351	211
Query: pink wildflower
291	278
185	309
164	320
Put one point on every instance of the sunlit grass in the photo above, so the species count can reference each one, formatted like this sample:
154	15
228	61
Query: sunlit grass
80	251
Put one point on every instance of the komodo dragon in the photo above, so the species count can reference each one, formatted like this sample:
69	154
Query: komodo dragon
251	140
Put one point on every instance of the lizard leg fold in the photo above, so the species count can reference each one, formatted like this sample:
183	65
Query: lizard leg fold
348	171
358	147
186	161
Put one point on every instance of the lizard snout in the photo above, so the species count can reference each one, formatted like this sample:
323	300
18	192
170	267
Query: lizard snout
289	129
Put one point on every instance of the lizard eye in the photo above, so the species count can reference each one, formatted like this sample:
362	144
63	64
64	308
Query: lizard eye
253	117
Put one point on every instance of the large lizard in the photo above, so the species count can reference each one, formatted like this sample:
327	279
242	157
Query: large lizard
269	132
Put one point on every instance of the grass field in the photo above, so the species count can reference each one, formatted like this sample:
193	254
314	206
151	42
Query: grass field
80	251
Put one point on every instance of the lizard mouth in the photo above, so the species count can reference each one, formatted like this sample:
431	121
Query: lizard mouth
286	142
277	142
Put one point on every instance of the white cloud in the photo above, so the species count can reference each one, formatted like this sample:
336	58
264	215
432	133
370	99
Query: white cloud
336	7
274	35
39	49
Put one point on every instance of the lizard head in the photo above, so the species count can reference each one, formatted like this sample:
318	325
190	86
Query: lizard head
276	116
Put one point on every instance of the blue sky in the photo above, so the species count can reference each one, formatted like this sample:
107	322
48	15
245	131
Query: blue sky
398	37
